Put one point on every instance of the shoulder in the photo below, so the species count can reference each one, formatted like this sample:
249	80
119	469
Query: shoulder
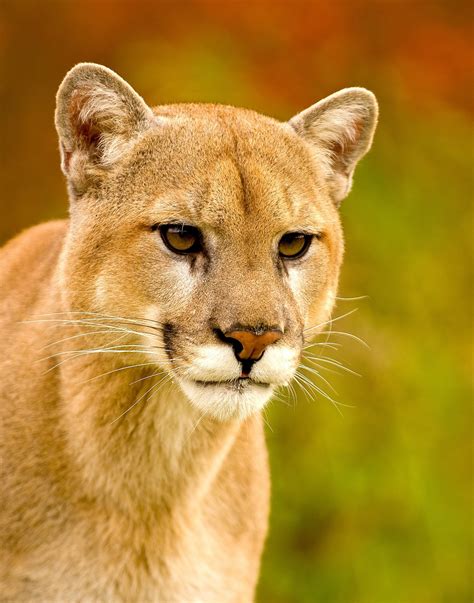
32	254
34	239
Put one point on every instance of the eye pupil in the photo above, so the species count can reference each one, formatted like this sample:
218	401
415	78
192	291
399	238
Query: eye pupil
181	238
294	244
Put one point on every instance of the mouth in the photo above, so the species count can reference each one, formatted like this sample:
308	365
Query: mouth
228	398
240	384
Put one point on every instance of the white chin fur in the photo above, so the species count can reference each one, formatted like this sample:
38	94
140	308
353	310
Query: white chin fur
224	402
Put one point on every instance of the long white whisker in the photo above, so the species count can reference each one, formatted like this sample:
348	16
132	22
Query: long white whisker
322	393
160	383
279	398
302	386
264	417
195	426
323	368
85	334
318	374
330	321
332	345
352	298
350	335
99	351
292	391
316	359
96	315
157	374
123	348
89	323
122	368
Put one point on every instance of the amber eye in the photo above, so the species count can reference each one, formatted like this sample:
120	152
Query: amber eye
293	245
181	238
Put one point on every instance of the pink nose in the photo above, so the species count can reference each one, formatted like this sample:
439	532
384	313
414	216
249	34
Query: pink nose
249	346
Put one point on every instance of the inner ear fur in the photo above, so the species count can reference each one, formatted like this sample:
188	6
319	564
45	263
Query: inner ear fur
340	128
98	117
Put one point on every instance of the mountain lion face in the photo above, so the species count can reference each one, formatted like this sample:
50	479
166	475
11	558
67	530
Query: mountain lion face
214	228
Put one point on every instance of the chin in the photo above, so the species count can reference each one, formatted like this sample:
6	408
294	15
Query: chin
227	400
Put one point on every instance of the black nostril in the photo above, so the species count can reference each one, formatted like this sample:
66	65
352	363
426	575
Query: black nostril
246	366
238	347
235	343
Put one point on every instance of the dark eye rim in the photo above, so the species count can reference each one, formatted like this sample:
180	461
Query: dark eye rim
308	238
165	228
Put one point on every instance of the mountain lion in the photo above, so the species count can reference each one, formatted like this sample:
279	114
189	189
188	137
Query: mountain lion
141	338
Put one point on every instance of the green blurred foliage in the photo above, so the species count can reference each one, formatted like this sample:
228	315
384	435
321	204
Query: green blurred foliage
371	504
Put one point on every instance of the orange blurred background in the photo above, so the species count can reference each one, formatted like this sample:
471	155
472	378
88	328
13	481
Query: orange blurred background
276	57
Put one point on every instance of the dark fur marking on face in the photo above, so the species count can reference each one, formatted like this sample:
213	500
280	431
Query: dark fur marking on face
206	260
169	332
280	266
245	197
201	262
246	204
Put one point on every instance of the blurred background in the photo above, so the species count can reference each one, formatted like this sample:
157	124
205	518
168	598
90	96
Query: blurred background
372	505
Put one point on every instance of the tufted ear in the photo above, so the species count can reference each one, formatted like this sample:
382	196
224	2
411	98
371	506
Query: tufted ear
98	117
341	128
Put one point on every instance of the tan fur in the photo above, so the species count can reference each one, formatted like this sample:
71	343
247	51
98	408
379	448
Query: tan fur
164	500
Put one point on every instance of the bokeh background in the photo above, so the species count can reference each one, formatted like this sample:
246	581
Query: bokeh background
373	506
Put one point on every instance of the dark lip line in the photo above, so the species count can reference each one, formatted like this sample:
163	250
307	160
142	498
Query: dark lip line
231	382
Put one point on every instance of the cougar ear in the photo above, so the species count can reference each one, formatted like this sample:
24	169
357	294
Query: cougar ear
341	128
98	117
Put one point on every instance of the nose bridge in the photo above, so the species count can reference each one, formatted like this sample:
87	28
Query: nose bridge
250	300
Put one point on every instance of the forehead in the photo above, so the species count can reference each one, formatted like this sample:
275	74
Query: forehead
228	168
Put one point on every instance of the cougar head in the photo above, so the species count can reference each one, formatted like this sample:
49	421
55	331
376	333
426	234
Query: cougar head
216	226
